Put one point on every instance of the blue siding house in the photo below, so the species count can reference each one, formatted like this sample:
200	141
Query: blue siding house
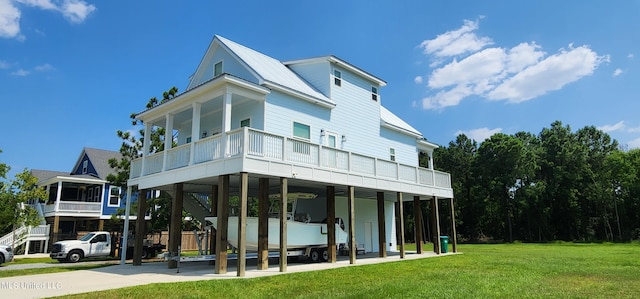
80	200
316	126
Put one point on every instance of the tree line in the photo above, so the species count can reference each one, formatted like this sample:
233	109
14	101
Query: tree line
556	185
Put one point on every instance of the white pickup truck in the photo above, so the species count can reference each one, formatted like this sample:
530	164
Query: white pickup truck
93	244
96	244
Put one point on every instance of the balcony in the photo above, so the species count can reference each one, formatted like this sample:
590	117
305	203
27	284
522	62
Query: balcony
251	144
73	207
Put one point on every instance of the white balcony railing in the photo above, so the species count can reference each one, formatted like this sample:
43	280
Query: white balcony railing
74	207
251	142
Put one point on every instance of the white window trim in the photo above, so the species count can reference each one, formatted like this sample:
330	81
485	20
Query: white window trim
221	68
85	166
338	78
335	135
109	204
392	157
247	118
375	95
297	137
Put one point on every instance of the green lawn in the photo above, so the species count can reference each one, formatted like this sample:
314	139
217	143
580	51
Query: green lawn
560	270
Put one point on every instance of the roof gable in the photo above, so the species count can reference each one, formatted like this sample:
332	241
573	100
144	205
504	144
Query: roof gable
269	71
98	162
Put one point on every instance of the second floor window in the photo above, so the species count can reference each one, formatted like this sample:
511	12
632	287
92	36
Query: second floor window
392	154
114	196
301	131
374	93
85	166
217	69
245	123
337	78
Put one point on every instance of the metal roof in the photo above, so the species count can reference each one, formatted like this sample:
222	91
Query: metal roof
272	70
394	122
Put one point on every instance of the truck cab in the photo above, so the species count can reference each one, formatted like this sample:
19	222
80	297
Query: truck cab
94	244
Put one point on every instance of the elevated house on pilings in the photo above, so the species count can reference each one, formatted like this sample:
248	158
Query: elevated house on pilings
249	125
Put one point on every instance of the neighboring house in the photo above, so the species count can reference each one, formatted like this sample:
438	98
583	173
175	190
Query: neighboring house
80	200
318	123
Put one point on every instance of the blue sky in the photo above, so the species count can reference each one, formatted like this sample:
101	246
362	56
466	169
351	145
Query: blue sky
72	71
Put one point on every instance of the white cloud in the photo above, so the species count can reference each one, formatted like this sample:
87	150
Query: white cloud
44	68
479	134
615	127
20	73
617	72
630	56
9	19
4	65
75	11
418	79
635	143
552	73
634	130
515	75
456	42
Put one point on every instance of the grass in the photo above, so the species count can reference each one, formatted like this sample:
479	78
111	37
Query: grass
34	271
34	260
564	270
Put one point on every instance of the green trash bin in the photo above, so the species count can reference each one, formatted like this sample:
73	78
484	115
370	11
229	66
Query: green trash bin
444	244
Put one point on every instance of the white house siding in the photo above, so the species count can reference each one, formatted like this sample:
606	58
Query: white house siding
253	110
282	110
229	65
317	74
404	145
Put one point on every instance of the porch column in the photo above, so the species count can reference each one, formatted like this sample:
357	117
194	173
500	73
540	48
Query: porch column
263	224
56	228
125	230
142	208
242	225
145	147
226	120
223	224
331	224
417	216
430	163
195	130
168	139
435	217
454	243
284	190
353	247
213	208
175	226
400	223
382	234
58	197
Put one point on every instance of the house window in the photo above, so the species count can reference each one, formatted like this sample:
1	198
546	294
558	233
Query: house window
217	69
245	123
96	194
337	77
392	154
374	93
114	196
90	196
85	166
332	140
188	139
301	130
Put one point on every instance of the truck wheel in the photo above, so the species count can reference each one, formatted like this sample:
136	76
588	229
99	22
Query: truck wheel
325	255
315	255
74	256
1	258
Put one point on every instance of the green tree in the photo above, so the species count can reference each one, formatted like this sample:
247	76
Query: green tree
131	149
14	196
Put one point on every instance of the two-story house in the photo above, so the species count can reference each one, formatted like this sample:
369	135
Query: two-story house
80	200
249	125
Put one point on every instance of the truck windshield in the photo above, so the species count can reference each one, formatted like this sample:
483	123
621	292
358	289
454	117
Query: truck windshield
87	237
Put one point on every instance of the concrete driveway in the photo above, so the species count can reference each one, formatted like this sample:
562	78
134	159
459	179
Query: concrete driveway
119	276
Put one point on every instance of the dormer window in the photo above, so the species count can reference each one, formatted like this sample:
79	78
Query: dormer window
85	166
337	78
374	93
217	69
